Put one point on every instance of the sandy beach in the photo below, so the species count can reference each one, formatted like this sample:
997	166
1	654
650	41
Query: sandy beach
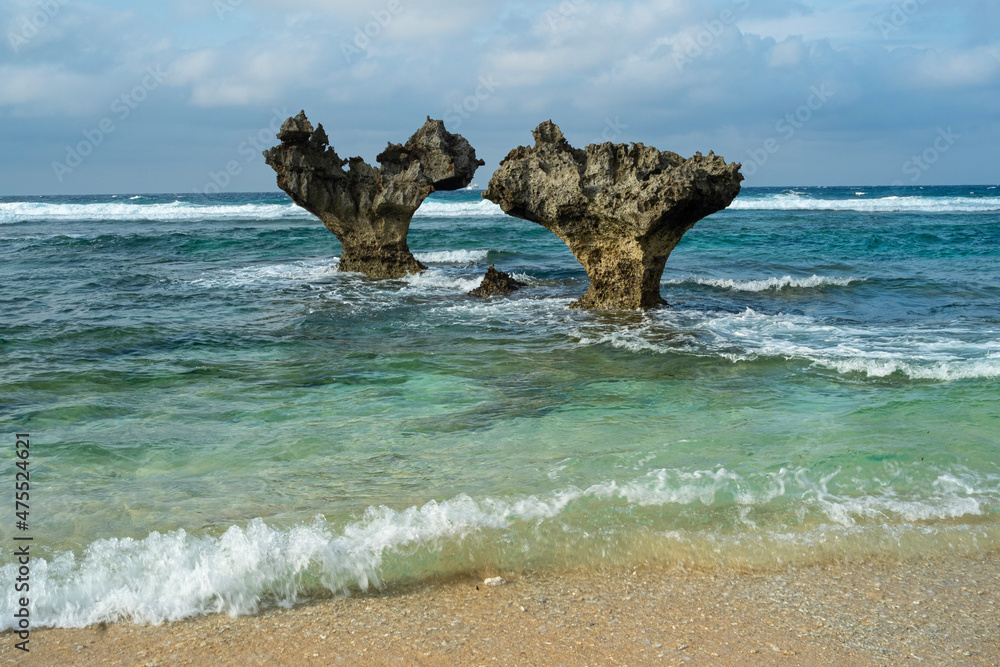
932	612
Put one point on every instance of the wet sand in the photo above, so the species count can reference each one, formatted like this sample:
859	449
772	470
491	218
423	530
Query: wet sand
938	612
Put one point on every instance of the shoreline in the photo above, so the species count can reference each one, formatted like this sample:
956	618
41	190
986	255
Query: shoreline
940	611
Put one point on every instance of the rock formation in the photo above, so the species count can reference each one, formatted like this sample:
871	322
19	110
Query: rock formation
370	209
620	208
496	283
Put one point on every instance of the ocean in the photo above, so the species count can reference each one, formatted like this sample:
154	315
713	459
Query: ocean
220	421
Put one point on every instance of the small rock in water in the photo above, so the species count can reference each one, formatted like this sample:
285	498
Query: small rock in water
495	581
496	283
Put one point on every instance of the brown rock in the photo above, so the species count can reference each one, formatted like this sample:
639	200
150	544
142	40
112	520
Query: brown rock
496	283
620	208
370	209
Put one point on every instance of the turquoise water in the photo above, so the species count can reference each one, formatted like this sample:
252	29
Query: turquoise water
221	420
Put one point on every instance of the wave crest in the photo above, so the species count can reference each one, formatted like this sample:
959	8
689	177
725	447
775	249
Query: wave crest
767	284
168	577
439	209
452	256
177	211
798	202
182	211
925	354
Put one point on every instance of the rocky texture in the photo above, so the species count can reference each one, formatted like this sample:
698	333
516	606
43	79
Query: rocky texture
369	209
496	283
620	208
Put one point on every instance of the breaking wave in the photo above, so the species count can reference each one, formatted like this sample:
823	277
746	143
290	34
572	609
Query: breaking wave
767	284
184	211
168	577
798	202
440	209
452	256
940	354
177	211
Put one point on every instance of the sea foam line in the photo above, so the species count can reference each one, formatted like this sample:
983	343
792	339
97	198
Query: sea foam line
324	270
797	202
767	284
452	256
441	209
303	271
436	279
939	354
168	577
177	211
180	211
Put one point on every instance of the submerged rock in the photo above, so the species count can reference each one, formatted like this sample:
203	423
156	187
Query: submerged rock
621	208
369	209
496	283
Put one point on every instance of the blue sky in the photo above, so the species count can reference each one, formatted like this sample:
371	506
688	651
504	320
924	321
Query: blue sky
104	96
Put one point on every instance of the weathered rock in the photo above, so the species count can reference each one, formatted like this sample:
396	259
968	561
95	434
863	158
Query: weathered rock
620	208
496	283
370	209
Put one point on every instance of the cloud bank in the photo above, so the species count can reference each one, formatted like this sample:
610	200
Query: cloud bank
809	92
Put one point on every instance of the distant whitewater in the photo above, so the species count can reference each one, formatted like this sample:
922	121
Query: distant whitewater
180	211
764	284
227	421
864	203
157	208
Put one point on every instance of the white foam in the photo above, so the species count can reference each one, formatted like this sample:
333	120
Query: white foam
550	317
943	370
174	576
442	209
799	202
939	353
134	209
525	278
948	499
323	270
768	284
177	211
168	577
305	271
452	256
436	279
674	487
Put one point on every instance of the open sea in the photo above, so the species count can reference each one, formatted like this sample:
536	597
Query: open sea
221	421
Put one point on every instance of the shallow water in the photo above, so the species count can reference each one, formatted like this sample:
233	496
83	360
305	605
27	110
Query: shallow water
219	417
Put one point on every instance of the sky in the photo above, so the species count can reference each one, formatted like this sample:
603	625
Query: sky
107	96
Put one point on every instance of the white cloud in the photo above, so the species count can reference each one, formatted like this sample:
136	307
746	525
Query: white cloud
958	68
788	53
246	73
51	90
